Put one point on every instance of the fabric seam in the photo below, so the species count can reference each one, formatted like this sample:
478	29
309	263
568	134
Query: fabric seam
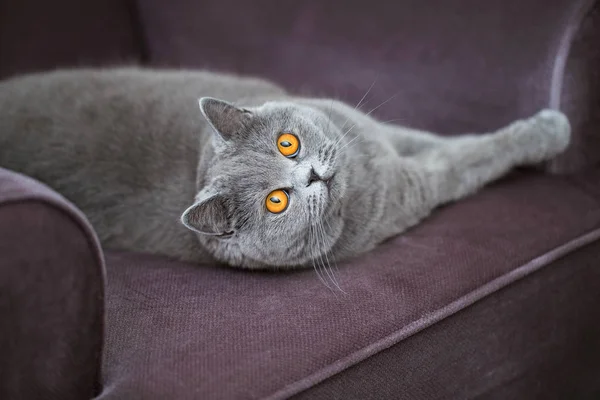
436	316
564	49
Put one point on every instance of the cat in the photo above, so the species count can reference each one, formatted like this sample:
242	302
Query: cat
205	167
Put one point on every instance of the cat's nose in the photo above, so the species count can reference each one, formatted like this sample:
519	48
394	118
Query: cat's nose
313	177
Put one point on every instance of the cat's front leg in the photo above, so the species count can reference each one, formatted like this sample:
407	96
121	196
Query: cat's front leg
465	164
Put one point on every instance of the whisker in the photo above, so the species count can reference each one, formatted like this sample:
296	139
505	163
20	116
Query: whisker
320	257
317	269
392	120
353	145
332	275
349	142
334	261
317	266
344	135
322	240
329	117
382	104
367	92
357	106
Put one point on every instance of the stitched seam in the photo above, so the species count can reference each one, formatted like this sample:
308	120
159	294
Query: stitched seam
433	317
564	50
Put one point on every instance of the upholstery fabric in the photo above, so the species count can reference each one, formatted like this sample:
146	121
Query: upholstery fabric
493	297
40	35
535	339
51	295
186	332
579	93
447	66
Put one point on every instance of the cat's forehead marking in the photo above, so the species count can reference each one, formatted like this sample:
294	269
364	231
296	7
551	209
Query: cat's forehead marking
288	115
253	170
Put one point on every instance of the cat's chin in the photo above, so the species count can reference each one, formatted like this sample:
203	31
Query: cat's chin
243	254
247	263
336	188
258	266
227	253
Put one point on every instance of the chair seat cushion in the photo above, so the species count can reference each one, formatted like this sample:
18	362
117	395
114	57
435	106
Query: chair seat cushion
184	331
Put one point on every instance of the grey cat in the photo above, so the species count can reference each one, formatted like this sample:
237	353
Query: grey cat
256	179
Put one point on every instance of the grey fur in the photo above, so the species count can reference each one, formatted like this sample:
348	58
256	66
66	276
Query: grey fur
131	148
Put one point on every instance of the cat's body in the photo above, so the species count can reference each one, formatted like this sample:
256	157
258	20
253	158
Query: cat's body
133	151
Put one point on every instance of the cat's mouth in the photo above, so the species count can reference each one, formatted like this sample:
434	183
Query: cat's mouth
329	183
335	185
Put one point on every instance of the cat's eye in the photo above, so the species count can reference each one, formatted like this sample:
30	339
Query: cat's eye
277	201
288	145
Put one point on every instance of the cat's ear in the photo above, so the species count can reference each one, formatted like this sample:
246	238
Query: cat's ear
225	118
210	215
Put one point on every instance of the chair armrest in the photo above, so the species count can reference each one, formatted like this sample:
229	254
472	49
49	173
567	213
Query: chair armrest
576	87
51	295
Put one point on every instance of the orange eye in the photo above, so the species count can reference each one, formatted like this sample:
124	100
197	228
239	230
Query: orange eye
277	201
288	145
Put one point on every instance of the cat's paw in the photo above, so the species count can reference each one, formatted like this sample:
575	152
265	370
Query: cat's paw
553	129
539	138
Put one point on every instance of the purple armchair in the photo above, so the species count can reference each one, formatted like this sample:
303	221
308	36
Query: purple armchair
492	297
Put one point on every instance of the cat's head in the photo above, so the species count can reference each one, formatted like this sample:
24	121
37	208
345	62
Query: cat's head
275	189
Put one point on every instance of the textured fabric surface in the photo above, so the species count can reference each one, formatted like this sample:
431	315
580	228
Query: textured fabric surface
181	331
39	35
51	295
450	66
579	93
188	332
536	339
